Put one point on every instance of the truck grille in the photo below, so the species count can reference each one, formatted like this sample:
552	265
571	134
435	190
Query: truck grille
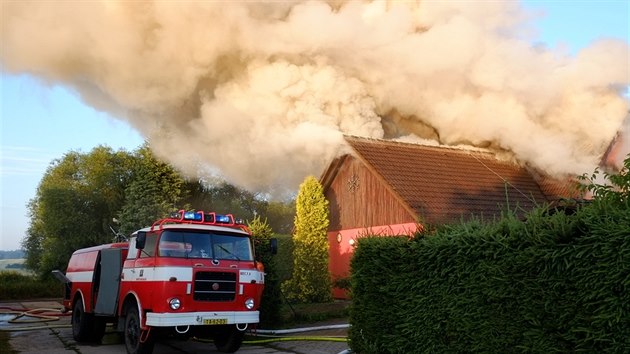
214	286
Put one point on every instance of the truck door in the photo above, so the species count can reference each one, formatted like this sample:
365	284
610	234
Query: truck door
109	283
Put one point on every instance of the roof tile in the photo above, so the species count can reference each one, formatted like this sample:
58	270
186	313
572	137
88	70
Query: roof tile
446	184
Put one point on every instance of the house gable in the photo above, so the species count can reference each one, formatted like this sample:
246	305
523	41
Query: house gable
359	198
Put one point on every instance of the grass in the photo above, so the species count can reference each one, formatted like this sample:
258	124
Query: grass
301	314
14	265
5	348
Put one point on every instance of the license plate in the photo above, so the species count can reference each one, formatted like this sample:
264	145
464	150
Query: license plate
215	321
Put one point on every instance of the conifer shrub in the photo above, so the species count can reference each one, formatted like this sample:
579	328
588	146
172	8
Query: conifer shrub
310	280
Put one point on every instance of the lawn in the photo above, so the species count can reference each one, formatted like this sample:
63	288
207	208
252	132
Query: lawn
301	314
16	265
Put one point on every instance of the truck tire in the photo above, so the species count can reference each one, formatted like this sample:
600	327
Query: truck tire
228	339
81	323
133	333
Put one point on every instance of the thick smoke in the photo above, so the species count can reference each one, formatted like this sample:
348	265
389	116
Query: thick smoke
263	92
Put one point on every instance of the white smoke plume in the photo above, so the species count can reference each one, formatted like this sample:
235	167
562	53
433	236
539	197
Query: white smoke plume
263	92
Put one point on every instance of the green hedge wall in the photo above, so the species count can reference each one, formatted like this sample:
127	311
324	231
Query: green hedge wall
553	283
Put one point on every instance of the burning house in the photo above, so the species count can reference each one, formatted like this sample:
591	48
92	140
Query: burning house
392	188
263	94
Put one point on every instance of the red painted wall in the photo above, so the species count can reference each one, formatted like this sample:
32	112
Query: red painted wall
341	246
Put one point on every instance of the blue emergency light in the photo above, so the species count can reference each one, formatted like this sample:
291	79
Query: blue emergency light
223	219
193	215
199	217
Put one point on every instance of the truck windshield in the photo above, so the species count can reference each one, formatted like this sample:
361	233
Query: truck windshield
195	244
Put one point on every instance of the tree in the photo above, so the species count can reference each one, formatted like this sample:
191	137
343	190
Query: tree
74	205
271	297
279	215
156	190
81	194
310	280
615	191
218	195
227	198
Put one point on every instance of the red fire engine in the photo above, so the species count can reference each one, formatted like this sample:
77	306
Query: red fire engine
193	274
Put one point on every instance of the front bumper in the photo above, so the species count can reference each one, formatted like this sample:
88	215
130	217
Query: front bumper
201	318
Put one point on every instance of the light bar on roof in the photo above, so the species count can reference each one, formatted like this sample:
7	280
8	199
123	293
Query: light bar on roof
225	219
193	215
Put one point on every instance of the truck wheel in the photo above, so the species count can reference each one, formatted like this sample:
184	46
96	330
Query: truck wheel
81	323
228	339
133	333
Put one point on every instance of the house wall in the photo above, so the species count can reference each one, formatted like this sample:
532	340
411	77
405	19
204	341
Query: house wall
360	204
342	243
358	199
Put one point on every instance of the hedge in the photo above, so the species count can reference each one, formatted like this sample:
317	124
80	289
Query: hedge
17	286
555	282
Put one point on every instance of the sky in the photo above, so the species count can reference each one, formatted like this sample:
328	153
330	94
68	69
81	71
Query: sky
41	121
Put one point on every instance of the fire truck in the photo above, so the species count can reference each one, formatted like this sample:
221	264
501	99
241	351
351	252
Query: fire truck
193	274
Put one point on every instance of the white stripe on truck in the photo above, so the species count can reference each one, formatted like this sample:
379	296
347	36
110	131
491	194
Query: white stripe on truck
164	274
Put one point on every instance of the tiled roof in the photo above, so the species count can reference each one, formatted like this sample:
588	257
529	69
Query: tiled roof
446	184
555	189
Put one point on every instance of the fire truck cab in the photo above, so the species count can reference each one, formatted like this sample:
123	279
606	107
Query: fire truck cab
192	274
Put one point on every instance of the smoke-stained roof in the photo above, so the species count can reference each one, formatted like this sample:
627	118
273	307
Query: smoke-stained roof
445	184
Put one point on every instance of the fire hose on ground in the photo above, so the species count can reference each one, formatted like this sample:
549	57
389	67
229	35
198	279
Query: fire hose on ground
25	316
43	315
276	335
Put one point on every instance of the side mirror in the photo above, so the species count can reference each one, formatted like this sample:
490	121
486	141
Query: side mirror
141	239
273	245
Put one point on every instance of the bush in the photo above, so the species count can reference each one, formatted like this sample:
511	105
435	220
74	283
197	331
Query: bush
284	258
556	282
300	315
16	286
15	266
271	300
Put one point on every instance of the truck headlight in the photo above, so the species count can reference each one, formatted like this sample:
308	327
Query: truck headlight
249	303
175	303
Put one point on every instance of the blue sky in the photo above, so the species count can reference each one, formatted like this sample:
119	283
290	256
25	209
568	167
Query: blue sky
40	123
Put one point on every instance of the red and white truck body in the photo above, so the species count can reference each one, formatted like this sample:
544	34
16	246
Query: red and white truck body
194	274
